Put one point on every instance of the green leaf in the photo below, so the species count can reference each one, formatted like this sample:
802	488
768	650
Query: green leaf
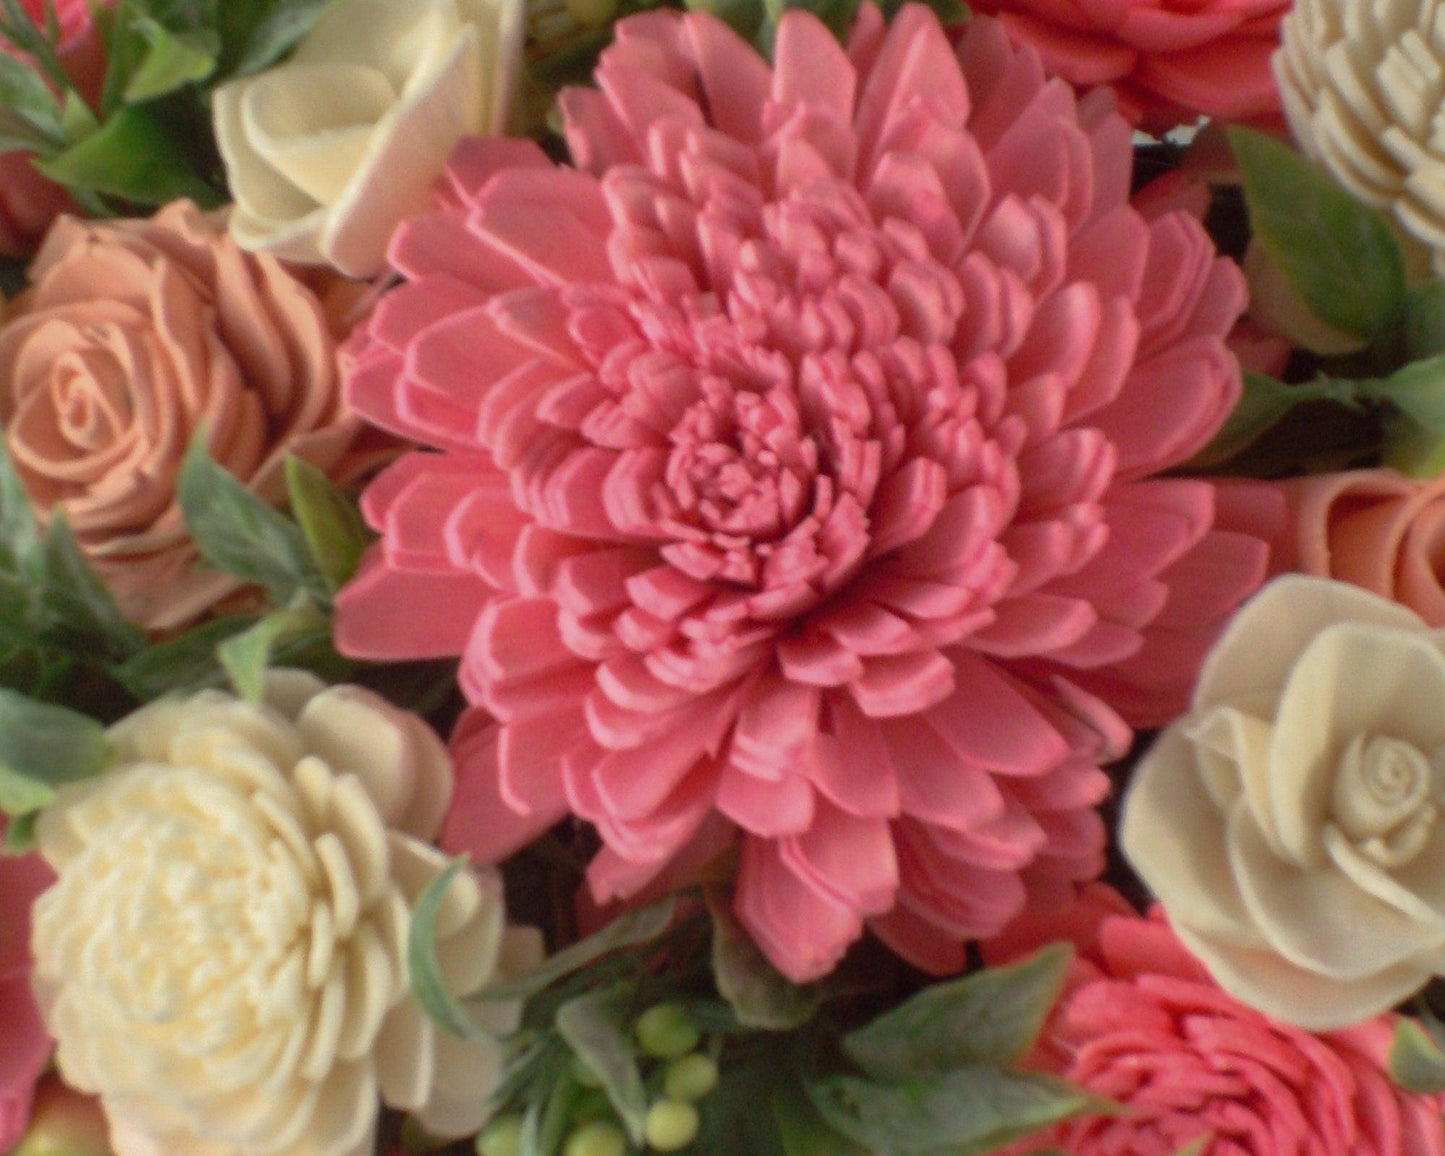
1264	403
427	982
760	995
627	930
238	533
245	657
27	96
133	157
20	834
187	662
1416	1060
172	60
993	1016
1340	255
745	17
969	1110
43	746
1415	430
803	1129
276	33
595	1026
81	614
19	532
330	522
1425	321
548	1116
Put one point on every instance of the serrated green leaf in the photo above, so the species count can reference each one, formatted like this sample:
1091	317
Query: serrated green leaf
172	60
20	834
133	157
1417	1062
238	533
1340	255
991	1017
246	657
427	982
968	1110
760	995
330	522
595	1027
81	616
42	747
187	662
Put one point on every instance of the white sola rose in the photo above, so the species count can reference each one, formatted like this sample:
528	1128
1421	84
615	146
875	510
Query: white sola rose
223	957
1290	823
328	151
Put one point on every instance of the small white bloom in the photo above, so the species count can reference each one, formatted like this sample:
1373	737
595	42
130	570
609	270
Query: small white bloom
223	957
329	150
1363	83
1290	823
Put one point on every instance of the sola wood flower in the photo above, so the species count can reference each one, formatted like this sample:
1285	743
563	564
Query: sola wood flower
1289	823
1171	61
1362	82
26	1044
794	473
223	958
1141	1023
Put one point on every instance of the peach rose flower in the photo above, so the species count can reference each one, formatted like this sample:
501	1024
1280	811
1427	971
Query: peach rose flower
1373	528
134	334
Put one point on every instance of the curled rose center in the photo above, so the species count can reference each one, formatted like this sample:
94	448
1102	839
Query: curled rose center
1382	798
89	401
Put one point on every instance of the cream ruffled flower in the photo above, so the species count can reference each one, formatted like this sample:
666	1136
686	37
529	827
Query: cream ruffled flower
223	959
327	152
1363	82
1290	823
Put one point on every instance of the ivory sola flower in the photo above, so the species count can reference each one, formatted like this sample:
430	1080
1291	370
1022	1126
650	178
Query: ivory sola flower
793	474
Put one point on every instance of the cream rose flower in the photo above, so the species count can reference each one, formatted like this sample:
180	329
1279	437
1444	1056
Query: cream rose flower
222	959
1290	823
327	152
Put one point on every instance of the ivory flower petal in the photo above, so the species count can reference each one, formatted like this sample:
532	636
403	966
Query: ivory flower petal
223	958
329	151
1290	824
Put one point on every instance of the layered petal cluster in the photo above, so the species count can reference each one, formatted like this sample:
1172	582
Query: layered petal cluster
1140	1022
1290	822
26	1048
223	957
1171	61
794	474
132	336
1362	82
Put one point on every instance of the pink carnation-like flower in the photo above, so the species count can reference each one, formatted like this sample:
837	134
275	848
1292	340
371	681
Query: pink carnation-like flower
1170	61
24	1042
794	483
1142	1023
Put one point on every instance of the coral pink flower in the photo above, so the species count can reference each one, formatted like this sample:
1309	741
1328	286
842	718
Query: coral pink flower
1171	61
1142	1023
24	1042
72	15
794	483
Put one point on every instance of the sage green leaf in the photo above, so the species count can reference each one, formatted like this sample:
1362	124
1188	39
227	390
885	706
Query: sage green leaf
246	657
1339	254
24	94
131	156
802	1128
427	983
1263	404
1417	1062
760	995
1415	429
186	662
20	834
42	747
172	60
238	533
330	522
277	31
1425	321
969	1110
19	532
993	1016
81	616
595	1027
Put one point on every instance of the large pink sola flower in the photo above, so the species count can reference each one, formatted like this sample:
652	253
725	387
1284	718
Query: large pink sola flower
793	474
1171	61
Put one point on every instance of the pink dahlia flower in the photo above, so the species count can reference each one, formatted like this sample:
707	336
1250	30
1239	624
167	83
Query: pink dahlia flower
795	474
1142	1023
24	1042
1171	61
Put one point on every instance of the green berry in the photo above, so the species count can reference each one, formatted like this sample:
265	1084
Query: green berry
665	1033
690	1078
670	1126
502	1138
596	1139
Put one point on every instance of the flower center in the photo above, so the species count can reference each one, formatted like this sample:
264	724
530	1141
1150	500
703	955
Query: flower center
1383	798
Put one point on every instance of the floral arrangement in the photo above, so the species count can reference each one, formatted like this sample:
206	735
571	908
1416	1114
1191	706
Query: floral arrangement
722	577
